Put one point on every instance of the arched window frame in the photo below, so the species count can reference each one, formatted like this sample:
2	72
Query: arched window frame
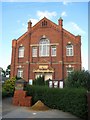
20	73
44	47
69	70
21	51
69	50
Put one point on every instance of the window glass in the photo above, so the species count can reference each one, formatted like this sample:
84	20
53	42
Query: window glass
53	50
21	52
69	70
20	73
34	51
44	47
69	50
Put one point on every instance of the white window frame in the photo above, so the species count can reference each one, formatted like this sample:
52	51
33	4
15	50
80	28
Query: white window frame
69	50
44	47
21	52
34	51
53	50
20	73
69	70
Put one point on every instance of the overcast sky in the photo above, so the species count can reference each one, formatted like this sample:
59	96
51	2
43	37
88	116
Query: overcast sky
15	16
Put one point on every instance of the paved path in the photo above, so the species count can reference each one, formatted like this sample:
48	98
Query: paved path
10	111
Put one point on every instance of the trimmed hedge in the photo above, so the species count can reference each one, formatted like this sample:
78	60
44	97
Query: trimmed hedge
71	100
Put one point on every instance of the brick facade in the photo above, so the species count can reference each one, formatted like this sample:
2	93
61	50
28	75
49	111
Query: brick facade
53	66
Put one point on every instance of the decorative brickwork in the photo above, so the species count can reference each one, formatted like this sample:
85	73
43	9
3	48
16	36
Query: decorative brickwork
21	99
27	64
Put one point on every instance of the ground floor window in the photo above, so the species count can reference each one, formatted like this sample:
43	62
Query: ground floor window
20	73
69	70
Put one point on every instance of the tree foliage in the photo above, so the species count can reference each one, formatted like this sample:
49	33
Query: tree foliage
9	86
8	70
78	79
39	81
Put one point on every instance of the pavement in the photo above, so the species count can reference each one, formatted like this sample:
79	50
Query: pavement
11	111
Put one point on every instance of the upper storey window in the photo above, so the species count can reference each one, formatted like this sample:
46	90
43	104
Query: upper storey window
44	45
53	50
21	52
69	50
34	51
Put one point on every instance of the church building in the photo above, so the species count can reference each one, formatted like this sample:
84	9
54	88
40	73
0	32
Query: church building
46	49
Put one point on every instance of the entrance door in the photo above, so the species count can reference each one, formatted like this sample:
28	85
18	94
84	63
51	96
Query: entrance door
38	74
48	76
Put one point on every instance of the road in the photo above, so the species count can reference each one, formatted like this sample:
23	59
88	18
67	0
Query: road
10	111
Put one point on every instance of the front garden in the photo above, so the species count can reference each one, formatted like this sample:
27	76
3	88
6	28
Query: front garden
72	98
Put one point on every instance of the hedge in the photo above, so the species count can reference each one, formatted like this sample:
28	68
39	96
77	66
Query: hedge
71	100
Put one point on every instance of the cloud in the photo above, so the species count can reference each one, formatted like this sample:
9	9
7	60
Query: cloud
74	28
47	14
34	21
63	14
40	15
65	3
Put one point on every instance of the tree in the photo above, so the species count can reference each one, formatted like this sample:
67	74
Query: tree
78	79
39	81
9	86
3	73
8	70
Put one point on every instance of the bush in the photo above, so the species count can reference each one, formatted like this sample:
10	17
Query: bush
78	79
39	81
4	93
68	99
8	87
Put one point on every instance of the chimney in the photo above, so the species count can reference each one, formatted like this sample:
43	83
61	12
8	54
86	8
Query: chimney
14	43
60	22
29	25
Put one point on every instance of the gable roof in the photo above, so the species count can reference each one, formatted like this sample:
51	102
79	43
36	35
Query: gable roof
52	24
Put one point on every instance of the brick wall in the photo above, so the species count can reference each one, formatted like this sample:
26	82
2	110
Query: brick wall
56	34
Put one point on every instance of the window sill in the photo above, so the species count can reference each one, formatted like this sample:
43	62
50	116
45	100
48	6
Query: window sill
53	56
20	57
69	55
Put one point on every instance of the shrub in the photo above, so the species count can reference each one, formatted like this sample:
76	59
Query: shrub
68	99
39	81
8	87
4	93
78	79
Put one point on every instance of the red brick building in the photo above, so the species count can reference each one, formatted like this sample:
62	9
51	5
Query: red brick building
45	49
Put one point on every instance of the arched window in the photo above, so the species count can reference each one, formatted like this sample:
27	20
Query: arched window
20	73
69	50
21	52
69	70
44	47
